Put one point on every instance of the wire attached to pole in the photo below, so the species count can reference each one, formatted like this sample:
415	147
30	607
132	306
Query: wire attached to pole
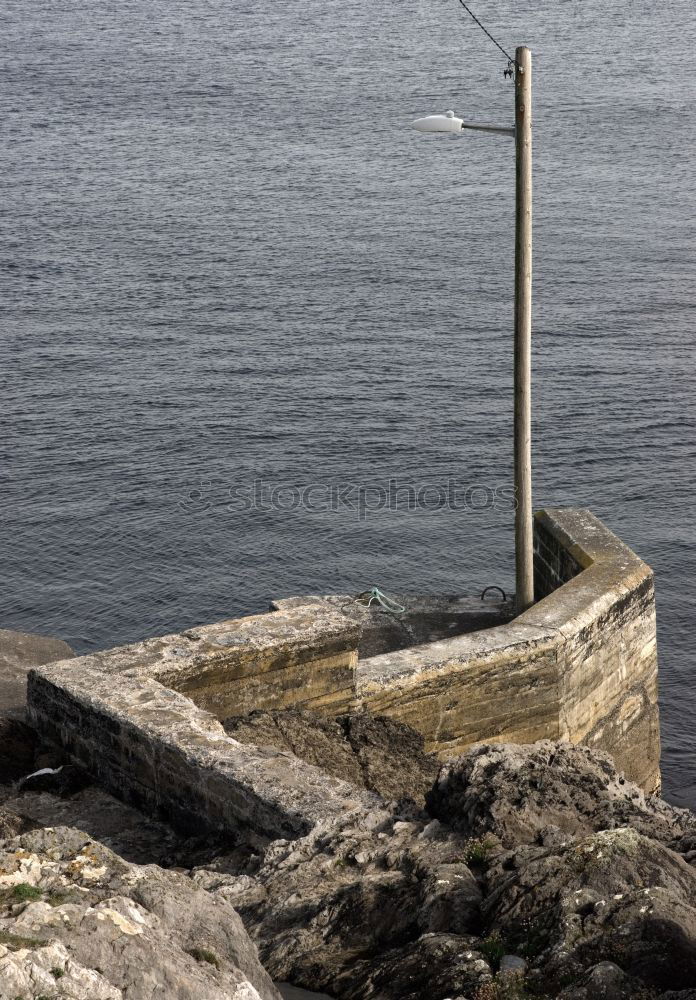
511	62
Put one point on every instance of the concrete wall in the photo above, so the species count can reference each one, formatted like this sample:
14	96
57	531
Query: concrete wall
143	719
579	665
555	558
607	657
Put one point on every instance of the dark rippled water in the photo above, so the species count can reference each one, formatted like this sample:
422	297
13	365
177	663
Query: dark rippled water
226	258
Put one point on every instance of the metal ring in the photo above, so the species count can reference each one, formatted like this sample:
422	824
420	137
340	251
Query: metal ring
494	587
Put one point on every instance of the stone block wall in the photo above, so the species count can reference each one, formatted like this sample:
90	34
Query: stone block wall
155	749
301	657
579	665
143	719
607	648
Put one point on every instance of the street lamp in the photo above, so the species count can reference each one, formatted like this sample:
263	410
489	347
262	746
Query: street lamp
522	132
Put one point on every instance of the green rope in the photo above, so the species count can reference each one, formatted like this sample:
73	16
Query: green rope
386	602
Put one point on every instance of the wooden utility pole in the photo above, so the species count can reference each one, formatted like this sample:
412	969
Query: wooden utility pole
524	543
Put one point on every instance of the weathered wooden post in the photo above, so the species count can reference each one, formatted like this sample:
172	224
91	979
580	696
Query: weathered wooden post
524	542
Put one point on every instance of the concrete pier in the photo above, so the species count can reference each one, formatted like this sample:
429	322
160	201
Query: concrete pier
580	665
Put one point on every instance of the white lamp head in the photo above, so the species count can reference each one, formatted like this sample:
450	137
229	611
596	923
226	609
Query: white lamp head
439	123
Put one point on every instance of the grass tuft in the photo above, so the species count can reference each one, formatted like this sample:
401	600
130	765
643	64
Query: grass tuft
493	948
56	897
15	941
204	955
25	893
477	851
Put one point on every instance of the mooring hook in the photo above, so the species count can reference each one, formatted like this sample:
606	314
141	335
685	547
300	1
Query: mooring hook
493	587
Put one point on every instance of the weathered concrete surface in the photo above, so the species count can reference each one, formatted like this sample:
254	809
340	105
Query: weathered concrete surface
304	656
19	652
607	661
301	656
499	684
426	618
121	715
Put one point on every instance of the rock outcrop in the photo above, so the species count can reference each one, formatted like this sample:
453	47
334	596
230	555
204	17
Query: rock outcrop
356	909
604	981
515	792
11	824
534	871
433	965
541	860
19	652
76	920
615	896
373	752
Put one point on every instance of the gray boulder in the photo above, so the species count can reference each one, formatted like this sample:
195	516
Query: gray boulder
605	981
614	896
528	794
50	971
435	966
19	652
11	824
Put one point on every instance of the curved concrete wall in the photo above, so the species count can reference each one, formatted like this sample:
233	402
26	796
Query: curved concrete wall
580	665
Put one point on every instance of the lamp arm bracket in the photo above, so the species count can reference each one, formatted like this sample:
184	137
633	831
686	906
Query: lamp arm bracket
501	130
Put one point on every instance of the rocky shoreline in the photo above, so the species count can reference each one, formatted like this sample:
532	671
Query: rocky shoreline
510	872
